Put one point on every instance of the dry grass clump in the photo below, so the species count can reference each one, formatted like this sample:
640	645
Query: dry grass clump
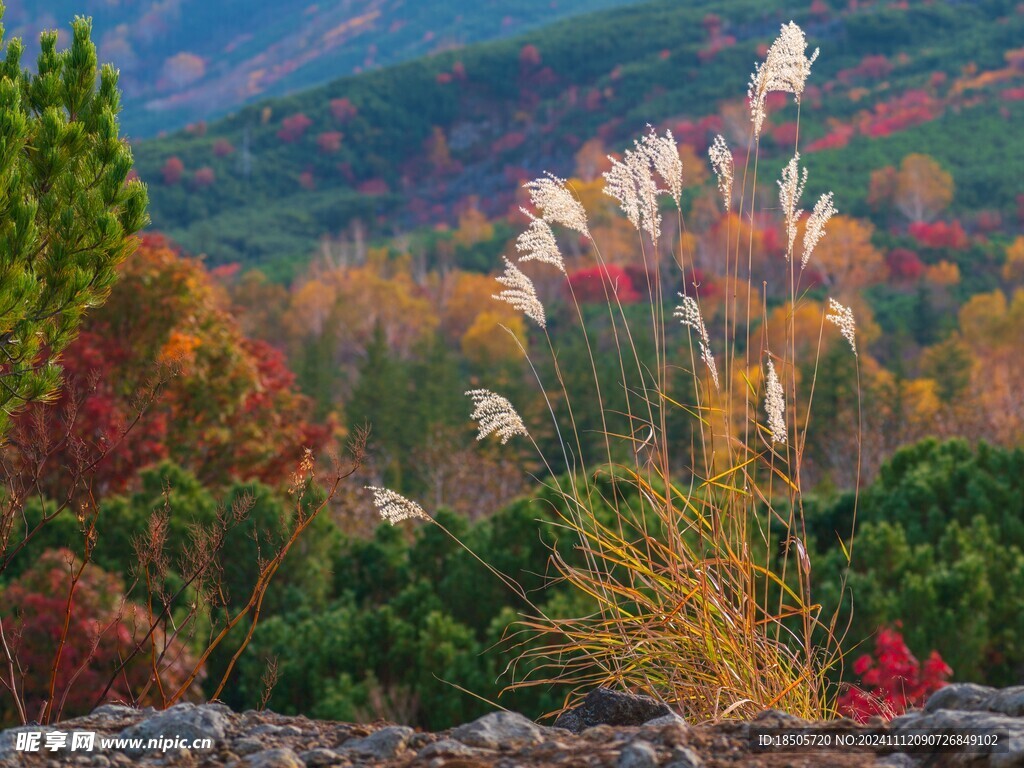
691	600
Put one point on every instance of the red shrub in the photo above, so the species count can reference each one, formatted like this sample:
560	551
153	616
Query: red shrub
529	56
172	170
939	234
894	681
373	187
102	631
904	264
294	127
204	177
839	137
589	287
988	221
872	67
343	110
222	148
329	142
785	134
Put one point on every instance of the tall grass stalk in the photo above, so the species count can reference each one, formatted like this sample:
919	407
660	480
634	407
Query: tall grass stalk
698	577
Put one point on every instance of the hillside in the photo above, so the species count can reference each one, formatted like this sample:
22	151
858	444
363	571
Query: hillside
402	146
185	61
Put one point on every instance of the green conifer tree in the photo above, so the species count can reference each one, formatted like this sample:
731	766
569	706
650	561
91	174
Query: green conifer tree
68	212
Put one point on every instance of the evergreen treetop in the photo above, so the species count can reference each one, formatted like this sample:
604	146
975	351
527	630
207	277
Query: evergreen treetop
68	211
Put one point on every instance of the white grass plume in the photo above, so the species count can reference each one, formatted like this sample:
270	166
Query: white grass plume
538	243
556	203
395	508
791	187
842	317
631	180
785	68
775	405
520	293
689	315
722	162
663	154
494	413
824	210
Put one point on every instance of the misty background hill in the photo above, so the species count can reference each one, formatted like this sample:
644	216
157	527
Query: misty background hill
183	61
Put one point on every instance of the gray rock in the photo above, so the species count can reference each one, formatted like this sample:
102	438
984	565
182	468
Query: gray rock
381	745
267	729
683	757
320	757
248	745
943	720
449	748
638	754
669	719
499	729
116	711
9	739
608	707
968	697
778	718
1008	701
274	758
185	721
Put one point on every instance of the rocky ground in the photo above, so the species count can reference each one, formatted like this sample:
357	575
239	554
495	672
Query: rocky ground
507	740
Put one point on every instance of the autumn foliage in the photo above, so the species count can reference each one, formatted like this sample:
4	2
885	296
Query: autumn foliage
893	679
102	631
227	406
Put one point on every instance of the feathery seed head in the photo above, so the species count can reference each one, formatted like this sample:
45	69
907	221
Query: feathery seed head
663	154
689	315
842	318
631	183
775	405
493	413
395	508
557	203
721	161
538	243
520	293
823	211
786	68
791	187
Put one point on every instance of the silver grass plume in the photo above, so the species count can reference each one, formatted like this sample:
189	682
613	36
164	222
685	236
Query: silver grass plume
721	161
557	203
775	405
791	187
824	210
663	154
520	293
842	318
493	413
786	68
395	508
631	183
538	243
689	315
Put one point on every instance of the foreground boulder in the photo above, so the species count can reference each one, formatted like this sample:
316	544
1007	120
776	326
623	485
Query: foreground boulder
603	706
635	733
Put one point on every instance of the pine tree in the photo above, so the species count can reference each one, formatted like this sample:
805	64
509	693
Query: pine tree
68	212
